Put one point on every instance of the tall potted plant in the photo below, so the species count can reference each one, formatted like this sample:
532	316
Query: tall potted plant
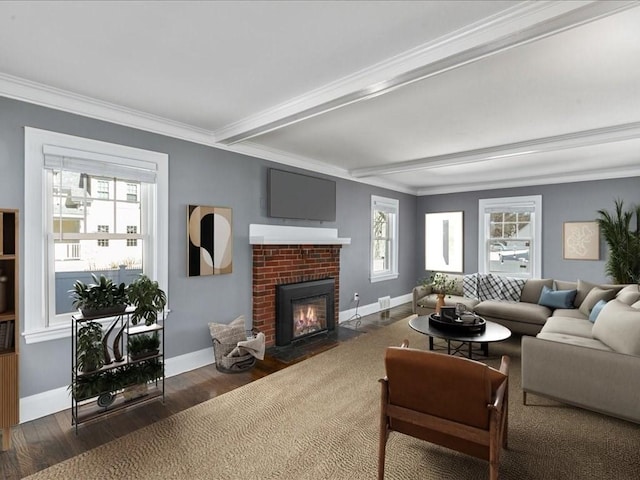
623	263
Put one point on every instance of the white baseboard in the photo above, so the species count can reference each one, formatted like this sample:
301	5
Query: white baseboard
58	399
373	307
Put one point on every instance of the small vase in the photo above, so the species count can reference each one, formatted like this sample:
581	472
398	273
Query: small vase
439	303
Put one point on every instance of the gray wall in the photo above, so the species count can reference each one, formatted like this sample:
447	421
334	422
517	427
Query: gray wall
561	203
206	176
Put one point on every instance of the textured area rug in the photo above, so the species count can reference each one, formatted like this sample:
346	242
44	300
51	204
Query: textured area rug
319	420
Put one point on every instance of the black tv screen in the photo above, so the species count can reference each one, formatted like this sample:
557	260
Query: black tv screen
293	195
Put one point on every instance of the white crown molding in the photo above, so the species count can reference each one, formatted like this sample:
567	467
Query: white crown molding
587	176
520	24
58	99
584	138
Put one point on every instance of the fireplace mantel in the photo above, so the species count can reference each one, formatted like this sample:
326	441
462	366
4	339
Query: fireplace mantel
287	235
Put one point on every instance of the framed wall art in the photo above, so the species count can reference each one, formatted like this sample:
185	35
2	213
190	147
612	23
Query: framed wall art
581	241
210	240
443	242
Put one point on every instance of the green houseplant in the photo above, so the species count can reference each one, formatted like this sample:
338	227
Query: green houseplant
101	297
441	285
143	345
90	350
147	298
623	264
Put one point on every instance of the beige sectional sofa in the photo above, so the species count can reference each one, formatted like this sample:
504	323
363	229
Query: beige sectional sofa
525	315
590	365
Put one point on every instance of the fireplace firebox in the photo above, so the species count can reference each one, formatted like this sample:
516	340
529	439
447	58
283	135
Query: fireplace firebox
304	309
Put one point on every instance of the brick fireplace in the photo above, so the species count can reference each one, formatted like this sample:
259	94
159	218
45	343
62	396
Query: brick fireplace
288	255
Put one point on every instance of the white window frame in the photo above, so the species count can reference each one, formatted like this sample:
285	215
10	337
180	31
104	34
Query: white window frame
486	205
38	326
391	206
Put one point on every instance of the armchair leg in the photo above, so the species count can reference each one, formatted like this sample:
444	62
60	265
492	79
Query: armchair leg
382	446
524	397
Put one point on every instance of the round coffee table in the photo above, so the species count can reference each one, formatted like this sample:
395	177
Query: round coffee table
493	332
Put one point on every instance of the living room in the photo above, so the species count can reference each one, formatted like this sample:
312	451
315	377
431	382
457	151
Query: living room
574	183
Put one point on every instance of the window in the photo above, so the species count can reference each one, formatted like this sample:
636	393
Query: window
132	192
510	236
81	217
132	242
384	238
103	189
103	242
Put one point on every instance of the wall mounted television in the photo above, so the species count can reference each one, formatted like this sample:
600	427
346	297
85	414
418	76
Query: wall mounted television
294	195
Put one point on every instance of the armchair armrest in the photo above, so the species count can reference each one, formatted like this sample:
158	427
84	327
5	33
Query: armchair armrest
501	392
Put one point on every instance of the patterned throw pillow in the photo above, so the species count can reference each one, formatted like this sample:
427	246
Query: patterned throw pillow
470	285
496	287
512	288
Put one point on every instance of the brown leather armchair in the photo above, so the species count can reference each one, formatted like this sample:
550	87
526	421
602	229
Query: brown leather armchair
454	402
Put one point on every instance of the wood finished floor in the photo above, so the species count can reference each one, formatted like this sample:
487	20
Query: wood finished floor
46	441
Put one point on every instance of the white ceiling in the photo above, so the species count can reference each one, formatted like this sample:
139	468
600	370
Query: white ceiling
422	97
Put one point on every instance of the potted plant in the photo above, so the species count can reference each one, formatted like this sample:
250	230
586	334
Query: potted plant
441	285
102	297
90	350
143	345
623	264
147	298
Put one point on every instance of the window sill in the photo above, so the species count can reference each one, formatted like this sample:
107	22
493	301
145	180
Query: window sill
383	277
47	334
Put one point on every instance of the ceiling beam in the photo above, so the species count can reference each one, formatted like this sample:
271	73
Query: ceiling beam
584	138
519	25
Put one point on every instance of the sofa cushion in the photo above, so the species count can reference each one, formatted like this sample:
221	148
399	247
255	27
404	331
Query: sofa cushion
595	311
533	288
574	340
514	311
618	326
569	312
629	294
568	326
594	296
557	298
563	285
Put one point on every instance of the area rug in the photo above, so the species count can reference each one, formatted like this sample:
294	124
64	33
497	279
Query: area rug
318	419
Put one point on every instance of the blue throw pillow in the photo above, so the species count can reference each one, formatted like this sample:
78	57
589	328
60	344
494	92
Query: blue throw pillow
595	311
557	298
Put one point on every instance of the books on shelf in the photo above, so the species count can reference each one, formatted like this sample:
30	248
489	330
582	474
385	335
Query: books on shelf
6	335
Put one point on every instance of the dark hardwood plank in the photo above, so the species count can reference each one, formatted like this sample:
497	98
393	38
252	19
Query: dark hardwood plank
49	440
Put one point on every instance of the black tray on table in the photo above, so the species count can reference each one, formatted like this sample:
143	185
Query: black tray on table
468	324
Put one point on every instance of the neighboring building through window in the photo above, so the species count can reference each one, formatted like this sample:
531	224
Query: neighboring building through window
384	238
103	242
510	236
132	242
132	192
103	189
97	198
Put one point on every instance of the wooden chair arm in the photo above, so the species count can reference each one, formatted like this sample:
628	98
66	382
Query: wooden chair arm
501	391
504	365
